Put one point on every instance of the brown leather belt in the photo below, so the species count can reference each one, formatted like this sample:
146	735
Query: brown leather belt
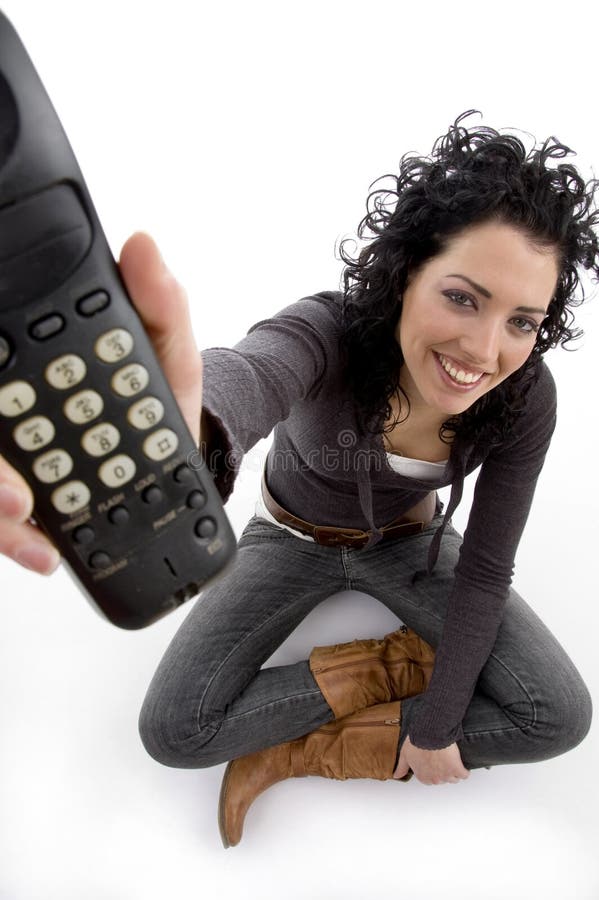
411	522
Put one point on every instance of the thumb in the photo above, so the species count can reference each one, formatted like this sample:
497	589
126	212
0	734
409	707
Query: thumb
402	768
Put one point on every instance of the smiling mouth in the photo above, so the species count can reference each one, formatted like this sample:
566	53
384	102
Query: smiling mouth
457	373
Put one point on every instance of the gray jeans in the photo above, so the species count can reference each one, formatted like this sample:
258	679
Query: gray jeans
211	701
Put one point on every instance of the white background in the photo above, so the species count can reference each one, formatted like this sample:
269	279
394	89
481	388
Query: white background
244	136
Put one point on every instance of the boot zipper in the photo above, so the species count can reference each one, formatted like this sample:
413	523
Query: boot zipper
361	724
368	659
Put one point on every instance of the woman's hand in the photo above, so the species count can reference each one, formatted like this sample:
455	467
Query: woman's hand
162	306
431	766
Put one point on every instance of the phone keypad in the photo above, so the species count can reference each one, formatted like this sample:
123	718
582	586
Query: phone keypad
114	345
161	444
117	471
83	406
53	466
145	413
130	380
34	433
71	497
16	398
66	371
101	439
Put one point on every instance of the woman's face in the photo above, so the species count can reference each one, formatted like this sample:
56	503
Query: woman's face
470	316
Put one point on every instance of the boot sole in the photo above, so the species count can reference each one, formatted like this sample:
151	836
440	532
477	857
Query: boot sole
221	808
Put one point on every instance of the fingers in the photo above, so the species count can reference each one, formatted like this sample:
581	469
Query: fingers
162	305
19	539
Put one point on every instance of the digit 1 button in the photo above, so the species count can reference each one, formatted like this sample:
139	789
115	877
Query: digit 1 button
16	398
205	528
71	497
117	471
65	371
114	345
161	444
34	433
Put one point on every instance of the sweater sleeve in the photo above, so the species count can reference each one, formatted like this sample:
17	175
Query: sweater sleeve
483	574
247	389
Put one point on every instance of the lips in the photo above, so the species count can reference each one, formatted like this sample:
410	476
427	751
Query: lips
458	373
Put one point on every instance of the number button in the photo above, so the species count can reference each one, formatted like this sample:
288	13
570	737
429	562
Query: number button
161	444
71	497
130	380
65	371
114	345
117	471
16	398
53	466
83	407
34	433
101	439
145	413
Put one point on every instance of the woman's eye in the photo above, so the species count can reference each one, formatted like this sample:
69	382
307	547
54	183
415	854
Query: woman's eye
459	298
525	325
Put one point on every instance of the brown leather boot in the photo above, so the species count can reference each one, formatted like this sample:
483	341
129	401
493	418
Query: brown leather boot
362	673
363	745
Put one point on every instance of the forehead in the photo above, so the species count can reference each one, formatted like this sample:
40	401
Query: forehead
502	259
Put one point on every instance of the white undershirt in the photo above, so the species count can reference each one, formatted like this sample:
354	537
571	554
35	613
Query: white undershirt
403	465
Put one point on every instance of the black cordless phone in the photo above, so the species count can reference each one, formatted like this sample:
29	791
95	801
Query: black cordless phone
86	415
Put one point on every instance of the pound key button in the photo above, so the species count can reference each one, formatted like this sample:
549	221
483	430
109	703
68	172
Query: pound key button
47	327
205	528
100	560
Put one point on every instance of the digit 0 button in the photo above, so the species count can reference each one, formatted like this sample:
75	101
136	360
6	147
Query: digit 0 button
52	466
161	444
145	413
71	497
83	407
130	380
34	433
16	398
114	345
101	439
117	471
65	371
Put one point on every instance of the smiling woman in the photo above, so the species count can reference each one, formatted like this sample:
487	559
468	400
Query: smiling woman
427	366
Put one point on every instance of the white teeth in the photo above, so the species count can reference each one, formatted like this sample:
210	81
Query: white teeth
459	375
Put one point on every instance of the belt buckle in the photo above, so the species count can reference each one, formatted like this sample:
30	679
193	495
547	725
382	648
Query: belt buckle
330	536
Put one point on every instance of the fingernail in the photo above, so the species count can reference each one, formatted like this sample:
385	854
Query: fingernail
12	502
38	557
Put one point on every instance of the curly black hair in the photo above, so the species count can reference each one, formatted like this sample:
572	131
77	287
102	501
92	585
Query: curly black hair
472	176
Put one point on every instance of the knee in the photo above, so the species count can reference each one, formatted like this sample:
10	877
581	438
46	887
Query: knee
175	736
563	719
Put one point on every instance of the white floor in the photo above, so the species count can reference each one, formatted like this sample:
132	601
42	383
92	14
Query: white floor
198	121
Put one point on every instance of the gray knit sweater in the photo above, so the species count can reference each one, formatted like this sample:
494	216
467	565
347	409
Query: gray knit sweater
286	374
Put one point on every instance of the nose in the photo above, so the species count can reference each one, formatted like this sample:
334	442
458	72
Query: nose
481	342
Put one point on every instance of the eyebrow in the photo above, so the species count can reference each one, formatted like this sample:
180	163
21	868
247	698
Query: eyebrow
482	290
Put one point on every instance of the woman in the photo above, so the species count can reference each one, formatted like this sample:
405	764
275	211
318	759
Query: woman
427	366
